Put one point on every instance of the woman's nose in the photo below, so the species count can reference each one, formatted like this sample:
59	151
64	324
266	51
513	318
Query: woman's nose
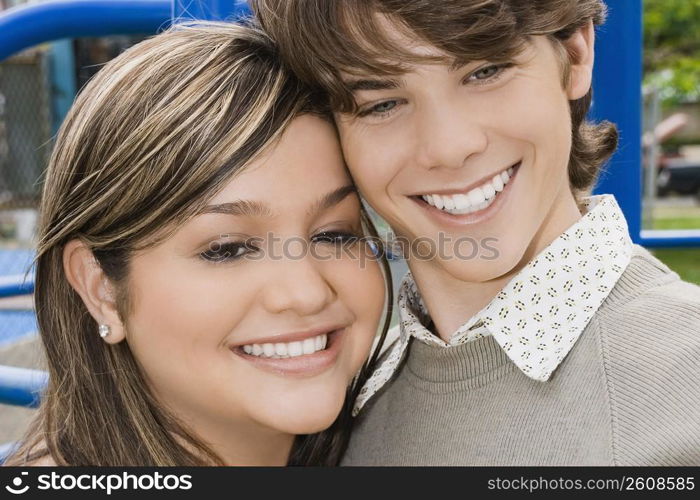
297	285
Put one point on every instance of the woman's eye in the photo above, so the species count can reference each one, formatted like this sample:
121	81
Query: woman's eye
336	238
223	252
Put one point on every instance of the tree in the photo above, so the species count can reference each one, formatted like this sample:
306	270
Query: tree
672	48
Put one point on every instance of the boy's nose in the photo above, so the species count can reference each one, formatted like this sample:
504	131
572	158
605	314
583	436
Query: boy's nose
447	136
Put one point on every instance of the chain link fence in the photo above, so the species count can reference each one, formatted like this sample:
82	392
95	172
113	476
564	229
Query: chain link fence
25	139
32	84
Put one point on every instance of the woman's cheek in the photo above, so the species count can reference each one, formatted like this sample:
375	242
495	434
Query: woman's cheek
362	288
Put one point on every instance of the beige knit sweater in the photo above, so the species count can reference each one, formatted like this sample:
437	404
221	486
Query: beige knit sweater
627	394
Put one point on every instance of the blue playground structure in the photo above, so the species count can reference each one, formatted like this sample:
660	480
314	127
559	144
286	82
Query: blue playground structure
617	97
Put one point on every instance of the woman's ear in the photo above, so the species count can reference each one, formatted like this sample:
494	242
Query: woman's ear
87	278
580	48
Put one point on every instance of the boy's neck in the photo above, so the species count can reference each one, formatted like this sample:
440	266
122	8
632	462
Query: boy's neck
452	301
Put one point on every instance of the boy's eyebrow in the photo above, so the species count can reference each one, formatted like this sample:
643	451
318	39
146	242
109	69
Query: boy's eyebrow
372	84
390	83
332	198
248	208
458	64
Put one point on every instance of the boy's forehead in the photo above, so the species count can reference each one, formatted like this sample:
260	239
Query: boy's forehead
394	69
414	50
396	50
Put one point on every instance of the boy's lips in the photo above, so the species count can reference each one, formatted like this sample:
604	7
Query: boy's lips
476	217
465	190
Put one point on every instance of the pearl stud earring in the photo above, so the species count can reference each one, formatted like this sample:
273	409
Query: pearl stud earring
104	330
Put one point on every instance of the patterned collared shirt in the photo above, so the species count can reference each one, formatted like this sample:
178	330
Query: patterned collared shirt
538	316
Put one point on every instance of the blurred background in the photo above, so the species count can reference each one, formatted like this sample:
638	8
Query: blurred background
671	125
37	87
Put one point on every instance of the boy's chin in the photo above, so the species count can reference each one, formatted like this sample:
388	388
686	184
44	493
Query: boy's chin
481	269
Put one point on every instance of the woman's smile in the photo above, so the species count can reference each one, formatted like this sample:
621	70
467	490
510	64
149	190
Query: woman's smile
309	354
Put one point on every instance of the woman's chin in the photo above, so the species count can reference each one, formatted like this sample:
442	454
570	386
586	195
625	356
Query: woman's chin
307	418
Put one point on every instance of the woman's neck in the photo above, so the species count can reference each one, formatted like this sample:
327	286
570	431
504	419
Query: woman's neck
242	444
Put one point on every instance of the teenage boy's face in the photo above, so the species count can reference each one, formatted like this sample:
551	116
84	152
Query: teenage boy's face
474	158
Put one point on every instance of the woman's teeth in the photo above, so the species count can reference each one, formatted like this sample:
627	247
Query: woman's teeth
477	199
288	349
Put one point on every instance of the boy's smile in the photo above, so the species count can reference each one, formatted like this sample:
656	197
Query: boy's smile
470	205
479	151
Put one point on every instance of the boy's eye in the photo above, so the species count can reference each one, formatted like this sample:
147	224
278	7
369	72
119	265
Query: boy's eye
223	252
488	73
336	238
383	107
380	109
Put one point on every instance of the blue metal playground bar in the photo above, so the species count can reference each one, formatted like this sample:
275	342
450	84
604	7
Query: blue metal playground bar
17	287
21	386
29	25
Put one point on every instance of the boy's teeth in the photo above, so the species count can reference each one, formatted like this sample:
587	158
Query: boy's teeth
438	201
288	349
473	201
295	349
309	346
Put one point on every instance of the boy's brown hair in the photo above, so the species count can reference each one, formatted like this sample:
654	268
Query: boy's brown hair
319	39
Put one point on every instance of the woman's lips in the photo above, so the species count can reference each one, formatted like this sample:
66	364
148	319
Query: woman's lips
306	365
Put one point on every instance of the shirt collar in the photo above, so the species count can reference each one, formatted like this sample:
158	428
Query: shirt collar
538	316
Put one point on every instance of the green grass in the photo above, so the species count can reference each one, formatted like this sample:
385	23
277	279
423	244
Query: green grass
677	223
686	262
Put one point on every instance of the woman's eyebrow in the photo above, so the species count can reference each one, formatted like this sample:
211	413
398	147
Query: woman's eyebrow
239	207
249	208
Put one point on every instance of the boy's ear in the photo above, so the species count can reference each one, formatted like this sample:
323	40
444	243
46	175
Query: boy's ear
580	48
87	278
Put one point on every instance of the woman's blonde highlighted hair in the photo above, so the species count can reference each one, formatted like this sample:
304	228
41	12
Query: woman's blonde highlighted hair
320	39
154	135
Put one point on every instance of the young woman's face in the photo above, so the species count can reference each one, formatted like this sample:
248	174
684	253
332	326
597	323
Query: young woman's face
256	314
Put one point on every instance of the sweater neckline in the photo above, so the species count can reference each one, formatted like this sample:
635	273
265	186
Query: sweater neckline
459	363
